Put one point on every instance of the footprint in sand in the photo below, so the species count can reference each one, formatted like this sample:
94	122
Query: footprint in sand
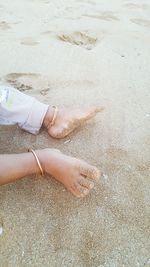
108	16
29	41
47	32
133	6
28	81
88	2
79	38
4	25
141	22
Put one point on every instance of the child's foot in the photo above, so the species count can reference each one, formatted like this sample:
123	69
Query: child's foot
71	172
67	120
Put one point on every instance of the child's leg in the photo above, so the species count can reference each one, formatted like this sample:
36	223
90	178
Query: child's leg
68	119
30	114
73	173
21	109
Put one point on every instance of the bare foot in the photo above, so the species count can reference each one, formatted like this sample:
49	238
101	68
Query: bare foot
73	173
67	120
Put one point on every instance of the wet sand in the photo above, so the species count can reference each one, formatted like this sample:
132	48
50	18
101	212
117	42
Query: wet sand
80	53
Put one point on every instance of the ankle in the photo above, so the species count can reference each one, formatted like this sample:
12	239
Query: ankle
47	158
48	117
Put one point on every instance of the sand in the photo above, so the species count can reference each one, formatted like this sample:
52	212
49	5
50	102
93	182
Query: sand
80	53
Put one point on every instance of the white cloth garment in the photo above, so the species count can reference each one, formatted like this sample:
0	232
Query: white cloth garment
21	109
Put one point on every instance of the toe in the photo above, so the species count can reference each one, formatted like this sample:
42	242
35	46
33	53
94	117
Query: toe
89	171
90	113
78	190
86	183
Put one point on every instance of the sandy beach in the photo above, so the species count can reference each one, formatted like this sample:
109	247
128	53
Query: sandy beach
80	53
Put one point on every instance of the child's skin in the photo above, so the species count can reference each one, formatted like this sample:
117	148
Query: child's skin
73	173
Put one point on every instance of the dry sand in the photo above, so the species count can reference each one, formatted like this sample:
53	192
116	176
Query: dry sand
71	52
